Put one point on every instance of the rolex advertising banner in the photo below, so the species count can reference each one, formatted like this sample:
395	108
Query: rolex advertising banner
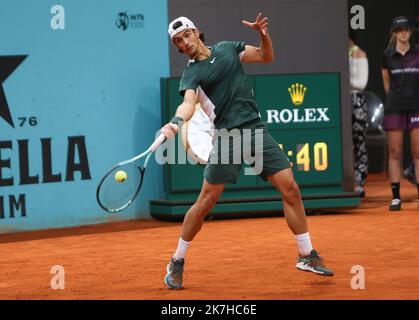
303	113
79	92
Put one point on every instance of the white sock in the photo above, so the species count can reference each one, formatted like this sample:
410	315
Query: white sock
304	243
181	249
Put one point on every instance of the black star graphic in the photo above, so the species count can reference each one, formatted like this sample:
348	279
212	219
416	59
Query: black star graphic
8	64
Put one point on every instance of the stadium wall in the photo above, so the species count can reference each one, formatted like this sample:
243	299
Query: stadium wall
81	83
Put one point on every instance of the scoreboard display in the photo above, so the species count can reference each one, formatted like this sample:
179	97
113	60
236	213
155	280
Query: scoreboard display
303	113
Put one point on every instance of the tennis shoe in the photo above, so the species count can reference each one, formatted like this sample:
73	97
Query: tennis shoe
313	263
395	205
173	277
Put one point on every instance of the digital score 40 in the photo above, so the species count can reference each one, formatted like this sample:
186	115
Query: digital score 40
307	152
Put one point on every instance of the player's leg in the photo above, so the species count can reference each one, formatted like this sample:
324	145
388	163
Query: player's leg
192	223
395	149
217	172
196	214
276	168
294	211
414	142
216	175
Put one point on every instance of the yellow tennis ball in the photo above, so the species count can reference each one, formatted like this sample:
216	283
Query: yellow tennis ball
120	176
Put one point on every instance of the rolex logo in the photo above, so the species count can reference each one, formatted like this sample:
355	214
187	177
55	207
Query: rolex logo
297	92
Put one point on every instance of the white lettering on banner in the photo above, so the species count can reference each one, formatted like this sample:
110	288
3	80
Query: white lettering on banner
323	116
310	115
414	119
405	70
272	116
282	114
297	115
58	20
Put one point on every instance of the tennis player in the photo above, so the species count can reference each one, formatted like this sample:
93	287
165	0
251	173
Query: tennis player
214	76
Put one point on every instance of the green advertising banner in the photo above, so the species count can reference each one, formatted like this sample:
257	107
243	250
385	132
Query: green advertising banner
303	114
304	101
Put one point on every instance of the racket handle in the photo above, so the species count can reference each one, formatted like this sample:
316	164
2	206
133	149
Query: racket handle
160	139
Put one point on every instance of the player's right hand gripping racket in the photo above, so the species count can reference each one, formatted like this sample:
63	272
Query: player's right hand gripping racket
114	195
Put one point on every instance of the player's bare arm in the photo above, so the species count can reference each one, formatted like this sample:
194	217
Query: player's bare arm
185	111
264	53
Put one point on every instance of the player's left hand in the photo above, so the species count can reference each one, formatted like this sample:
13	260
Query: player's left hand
261	24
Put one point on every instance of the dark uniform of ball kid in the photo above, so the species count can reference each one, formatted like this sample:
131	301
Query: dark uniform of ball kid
400	71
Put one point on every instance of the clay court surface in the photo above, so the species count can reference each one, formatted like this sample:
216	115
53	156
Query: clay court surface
230	259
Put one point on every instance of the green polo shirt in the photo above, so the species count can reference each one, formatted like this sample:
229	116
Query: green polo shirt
222	86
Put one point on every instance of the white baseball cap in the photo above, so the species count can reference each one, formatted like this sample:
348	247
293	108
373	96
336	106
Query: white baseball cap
178	25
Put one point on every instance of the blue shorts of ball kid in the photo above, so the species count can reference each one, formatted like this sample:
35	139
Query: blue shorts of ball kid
250	144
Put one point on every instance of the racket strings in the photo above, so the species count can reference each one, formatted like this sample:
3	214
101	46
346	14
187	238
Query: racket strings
116	194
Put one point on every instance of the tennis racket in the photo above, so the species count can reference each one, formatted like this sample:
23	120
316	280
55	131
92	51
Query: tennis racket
114	194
